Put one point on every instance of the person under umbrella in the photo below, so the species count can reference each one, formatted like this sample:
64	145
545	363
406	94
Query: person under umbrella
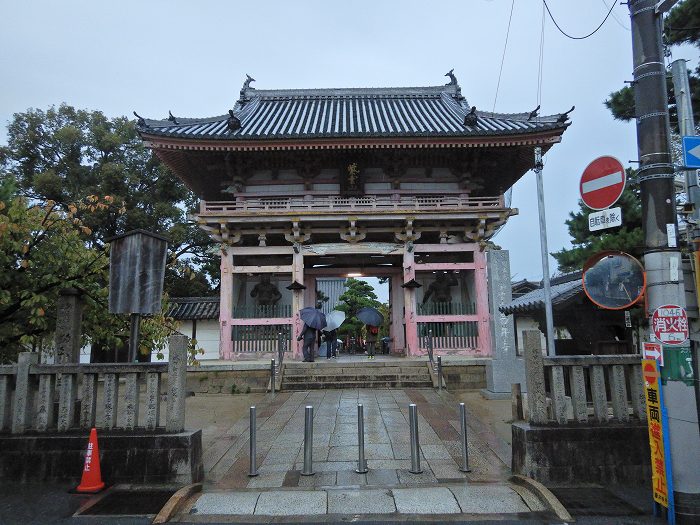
309	335
314	321
372	332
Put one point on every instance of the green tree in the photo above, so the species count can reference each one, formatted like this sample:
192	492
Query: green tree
627	238
358	294
682	26
64	155
44	249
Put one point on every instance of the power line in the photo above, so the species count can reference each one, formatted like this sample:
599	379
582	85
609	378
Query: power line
623	26
503	58
578	37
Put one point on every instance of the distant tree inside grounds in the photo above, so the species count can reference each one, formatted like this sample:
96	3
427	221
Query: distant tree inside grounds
358	294
63	155
627	238
681	26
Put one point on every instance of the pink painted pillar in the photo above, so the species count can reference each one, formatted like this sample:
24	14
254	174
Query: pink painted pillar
409	272
397	315
482	303
225	305
297	302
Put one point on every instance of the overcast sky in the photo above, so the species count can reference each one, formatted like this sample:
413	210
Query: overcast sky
192	57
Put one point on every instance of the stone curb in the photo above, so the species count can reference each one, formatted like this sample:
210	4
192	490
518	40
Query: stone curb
176	502
544	495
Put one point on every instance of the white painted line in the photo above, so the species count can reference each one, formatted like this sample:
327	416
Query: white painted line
602	182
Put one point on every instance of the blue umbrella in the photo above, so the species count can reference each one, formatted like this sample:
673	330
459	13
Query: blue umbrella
370	316
313	318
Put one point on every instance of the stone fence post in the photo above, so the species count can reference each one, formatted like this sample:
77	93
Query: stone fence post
534	375
177	378
22	410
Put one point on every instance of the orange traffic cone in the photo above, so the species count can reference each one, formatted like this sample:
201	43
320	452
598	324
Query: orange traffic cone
92	477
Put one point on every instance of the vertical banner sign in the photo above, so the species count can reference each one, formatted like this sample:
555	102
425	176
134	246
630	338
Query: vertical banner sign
662	485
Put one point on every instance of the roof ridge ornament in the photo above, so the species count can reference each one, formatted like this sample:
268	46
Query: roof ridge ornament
563	117
233	122
141	121
471	119
246	86
453	82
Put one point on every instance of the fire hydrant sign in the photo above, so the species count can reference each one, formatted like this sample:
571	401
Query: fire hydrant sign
669	324
658	438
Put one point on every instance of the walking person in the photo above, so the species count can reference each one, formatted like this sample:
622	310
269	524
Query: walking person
372	332
331	344
309	335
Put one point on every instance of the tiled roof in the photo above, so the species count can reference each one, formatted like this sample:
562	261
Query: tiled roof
194	308
562	289
437	111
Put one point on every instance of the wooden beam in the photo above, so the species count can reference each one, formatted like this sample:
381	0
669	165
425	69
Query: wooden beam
263	269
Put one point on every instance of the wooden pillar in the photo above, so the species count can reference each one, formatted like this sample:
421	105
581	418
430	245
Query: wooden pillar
225	305
297	300
397	317
409	272
482	303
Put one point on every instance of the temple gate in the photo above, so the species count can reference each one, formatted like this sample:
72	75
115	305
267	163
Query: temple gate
402	183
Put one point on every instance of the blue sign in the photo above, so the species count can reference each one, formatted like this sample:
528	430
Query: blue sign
691	152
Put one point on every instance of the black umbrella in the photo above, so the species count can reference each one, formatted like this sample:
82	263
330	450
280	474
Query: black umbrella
370	316
313	318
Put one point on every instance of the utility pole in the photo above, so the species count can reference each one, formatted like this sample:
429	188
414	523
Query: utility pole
662	258
549	318
686	125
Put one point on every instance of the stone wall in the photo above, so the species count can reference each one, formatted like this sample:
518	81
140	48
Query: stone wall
228	379
465	376
125	457
611	453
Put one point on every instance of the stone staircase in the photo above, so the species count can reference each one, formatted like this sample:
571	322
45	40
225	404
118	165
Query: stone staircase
337	374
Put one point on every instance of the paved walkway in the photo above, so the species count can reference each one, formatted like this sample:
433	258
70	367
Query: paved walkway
388	488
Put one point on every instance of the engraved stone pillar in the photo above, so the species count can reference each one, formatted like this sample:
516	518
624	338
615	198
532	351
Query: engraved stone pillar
534	374
506	368
110	401
69	318
152	400
66	402
177	375
131	401
24	395
45	400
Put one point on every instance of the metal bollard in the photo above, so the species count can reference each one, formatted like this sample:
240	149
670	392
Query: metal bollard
415	446
308	442
253	447
280	347
465	449
361	461
439	372
272	376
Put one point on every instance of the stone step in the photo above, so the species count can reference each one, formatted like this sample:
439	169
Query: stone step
326	363
311	385
355	372
342	379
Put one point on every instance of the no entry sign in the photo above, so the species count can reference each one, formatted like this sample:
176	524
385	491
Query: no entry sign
670	325
602	183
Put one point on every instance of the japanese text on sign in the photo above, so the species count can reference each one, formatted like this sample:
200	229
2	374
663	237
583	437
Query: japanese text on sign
656	435
669	324
605	219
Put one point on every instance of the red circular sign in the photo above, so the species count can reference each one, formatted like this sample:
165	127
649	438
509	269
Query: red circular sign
649	372
602	183
670	324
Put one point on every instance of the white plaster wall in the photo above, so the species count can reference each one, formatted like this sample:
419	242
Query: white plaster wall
207	338
522	324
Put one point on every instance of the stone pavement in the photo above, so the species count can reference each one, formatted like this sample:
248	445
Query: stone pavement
336	489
